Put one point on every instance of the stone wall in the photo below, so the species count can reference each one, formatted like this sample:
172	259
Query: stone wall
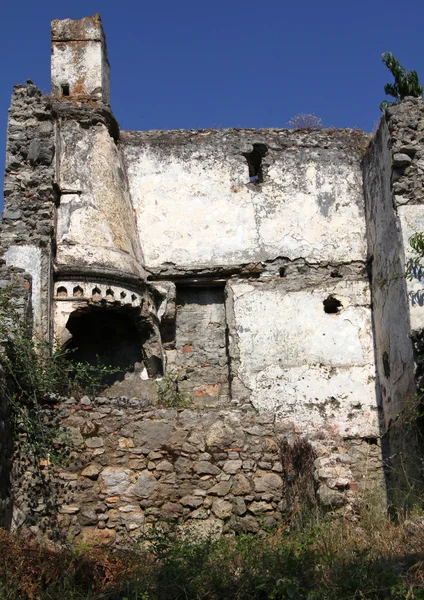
200	350
393	181
17	283
29	196
265	268
302	348
134	465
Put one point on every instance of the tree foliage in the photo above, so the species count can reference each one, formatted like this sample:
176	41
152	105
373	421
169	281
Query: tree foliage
406	83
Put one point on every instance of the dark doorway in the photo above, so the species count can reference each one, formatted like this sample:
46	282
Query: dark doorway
106	337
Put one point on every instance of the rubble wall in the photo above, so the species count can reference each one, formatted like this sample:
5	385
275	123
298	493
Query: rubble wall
133	466
29	196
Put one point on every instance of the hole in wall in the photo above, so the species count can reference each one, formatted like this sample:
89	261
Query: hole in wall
110	293
332	306
65	89
61	291
96	293
372	441
78	291
282	272
336	274
386	365
123	295
254	161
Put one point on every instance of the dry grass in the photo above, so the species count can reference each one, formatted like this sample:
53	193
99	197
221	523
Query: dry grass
332	559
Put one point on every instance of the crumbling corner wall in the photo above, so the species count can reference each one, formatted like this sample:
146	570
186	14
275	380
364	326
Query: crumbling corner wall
393	185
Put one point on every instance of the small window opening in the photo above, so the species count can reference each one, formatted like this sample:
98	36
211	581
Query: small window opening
335	274
78	291
123	295
110	293
65	89
332	305
62	291
96	293
254	161
133	297
282	271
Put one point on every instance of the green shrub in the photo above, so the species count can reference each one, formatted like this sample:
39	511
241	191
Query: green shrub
168	393
406	83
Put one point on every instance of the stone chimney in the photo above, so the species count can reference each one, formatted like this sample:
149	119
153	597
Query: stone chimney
79	64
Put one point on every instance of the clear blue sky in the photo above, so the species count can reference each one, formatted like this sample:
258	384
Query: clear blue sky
193	64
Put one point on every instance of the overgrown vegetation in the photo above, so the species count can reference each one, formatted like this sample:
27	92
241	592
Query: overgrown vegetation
36	369
334	560
33	376
406	82
305	121
169	394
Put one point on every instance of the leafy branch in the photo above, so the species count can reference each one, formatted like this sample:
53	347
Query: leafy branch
406	82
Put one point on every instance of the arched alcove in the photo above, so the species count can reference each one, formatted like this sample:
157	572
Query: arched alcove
113	336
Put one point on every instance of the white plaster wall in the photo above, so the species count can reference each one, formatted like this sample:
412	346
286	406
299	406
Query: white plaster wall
83	66
310	367
391	305
29	258
95	222
195	206
411	218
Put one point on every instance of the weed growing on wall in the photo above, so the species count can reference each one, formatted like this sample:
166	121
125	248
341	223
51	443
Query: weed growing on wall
168	393
305	121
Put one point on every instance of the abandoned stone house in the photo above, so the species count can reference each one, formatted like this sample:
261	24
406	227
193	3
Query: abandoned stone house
265	268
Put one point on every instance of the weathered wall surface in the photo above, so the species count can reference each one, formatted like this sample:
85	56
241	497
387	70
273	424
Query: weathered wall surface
195	205
293	358
79	63
393	180
199	353
406	126
256	246
95	223
135	465
29	196
394	356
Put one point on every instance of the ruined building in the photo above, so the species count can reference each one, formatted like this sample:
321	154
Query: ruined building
264	267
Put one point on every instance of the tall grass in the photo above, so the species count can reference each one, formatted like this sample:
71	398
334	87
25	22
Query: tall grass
374	559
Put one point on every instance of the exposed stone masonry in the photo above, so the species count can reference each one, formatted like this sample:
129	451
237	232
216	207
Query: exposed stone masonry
135	465
279	302
18	286
28	189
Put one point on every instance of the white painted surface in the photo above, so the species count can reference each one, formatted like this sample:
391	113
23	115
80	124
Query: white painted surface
411	219
79	59
196	208
29	259
96	226
313	368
